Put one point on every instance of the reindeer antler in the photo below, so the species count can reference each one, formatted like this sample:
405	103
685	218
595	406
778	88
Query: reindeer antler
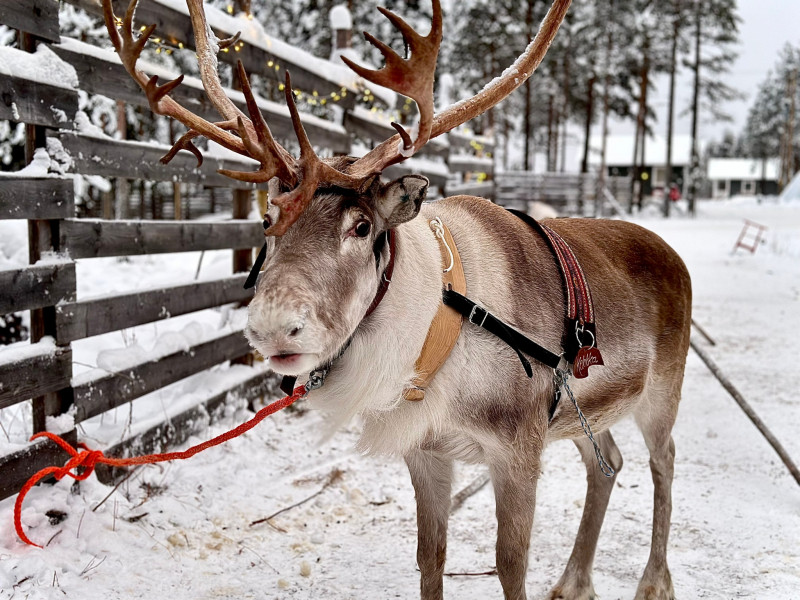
251	136
411	77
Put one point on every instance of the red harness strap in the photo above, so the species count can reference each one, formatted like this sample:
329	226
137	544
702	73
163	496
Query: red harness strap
580	337
87	459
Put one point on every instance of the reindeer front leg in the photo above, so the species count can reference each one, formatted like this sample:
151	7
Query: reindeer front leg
431	476
514	477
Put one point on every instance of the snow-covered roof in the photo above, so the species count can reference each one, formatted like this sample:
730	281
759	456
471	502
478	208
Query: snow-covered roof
619	150
743	168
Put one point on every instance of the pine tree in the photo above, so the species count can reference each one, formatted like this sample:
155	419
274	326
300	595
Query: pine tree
768	132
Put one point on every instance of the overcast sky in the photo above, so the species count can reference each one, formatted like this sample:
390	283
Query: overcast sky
767	25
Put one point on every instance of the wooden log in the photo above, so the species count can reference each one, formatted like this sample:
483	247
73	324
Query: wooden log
748	410
32	16
19	466
36	103
77	320
140	160
39	372
115	389
36	198
470	490
179	428
100	72
92	238
36	286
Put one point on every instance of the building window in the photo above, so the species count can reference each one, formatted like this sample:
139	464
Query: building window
722	185
748	187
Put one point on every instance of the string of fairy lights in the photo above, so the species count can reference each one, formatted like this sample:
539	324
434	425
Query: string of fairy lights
313	98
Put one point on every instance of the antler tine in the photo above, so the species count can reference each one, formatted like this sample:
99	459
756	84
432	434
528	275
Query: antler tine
412	76
311	164
273	156
387	153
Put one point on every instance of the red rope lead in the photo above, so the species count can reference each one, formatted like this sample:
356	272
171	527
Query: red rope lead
88	459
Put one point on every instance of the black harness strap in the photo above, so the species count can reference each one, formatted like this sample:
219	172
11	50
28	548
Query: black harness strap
477	315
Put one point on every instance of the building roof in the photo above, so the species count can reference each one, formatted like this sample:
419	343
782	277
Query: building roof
743	169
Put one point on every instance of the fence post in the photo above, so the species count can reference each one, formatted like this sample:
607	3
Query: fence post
43	236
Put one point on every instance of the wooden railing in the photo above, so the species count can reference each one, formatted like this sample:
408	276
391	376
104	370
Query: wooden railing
41	372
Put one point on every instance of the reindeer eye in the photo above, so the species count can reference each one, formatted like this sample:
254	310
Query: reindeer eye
267	222
362	229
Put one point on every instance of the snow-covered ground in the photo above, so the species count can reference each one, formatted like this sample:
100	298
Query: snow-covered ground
184	530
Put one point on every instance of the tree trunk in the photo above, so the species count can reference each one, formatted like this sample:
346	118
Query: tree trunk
671	110
643	141
695	162
528	94
587	128
601	181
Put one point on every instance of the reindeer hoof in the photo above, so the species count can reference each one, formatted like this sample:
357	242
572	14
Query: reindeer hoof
566	591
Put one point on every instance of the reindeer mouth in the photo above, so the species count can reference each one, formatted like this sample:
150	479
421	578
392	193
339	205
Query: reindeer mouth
290	364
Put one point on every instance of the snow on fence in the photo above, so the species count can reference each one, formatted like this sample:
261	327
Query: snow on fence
39	85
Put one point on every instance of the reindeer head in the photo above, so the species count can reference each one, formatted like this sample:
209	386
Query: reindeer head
328	219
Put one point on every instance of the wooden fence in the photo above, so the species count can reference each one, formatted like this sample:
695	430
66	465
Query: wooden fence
568	193
41	372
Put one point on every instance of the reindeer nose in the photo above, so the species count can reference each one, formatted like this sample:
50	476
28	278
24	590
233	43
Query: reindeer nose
295	330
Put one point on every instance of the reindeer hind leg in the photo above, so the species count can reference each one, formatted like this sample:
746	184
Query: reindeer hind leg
576	581
655	417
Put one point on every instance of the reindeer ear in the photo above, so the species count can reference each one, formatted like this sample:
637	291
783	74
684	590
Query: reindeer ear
400	200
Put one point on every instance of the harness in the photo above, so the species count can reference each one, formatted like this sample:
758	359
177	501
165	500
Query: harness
579	341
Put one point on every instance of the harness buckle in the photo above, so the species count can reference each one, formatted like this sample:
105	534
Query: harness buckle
474	311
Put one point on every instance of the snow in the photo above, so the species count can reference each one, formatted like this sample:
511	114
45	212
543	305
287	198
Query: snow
85	126
340	18
743	168
42	66
253	33
184	529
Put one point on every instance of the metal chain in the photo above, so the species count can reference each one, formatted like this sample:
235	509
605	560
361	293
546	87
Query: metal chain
561	378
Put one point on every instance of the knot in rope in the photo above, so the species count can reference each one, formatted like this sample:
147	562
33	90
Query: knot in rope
83	462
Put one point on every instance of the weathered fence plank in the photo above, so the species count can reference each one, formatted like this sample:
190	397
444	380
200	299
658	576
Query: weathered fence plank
465	141
462	163
100	72
177	429
17	467
363	124
36	198
115	389
140	160
28	101
77	320
40	371
174	25
36	286
93	238
483	189
33	16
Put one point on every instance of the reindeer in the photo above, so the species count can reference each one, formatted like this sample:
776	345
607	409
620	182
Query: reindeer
325	299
